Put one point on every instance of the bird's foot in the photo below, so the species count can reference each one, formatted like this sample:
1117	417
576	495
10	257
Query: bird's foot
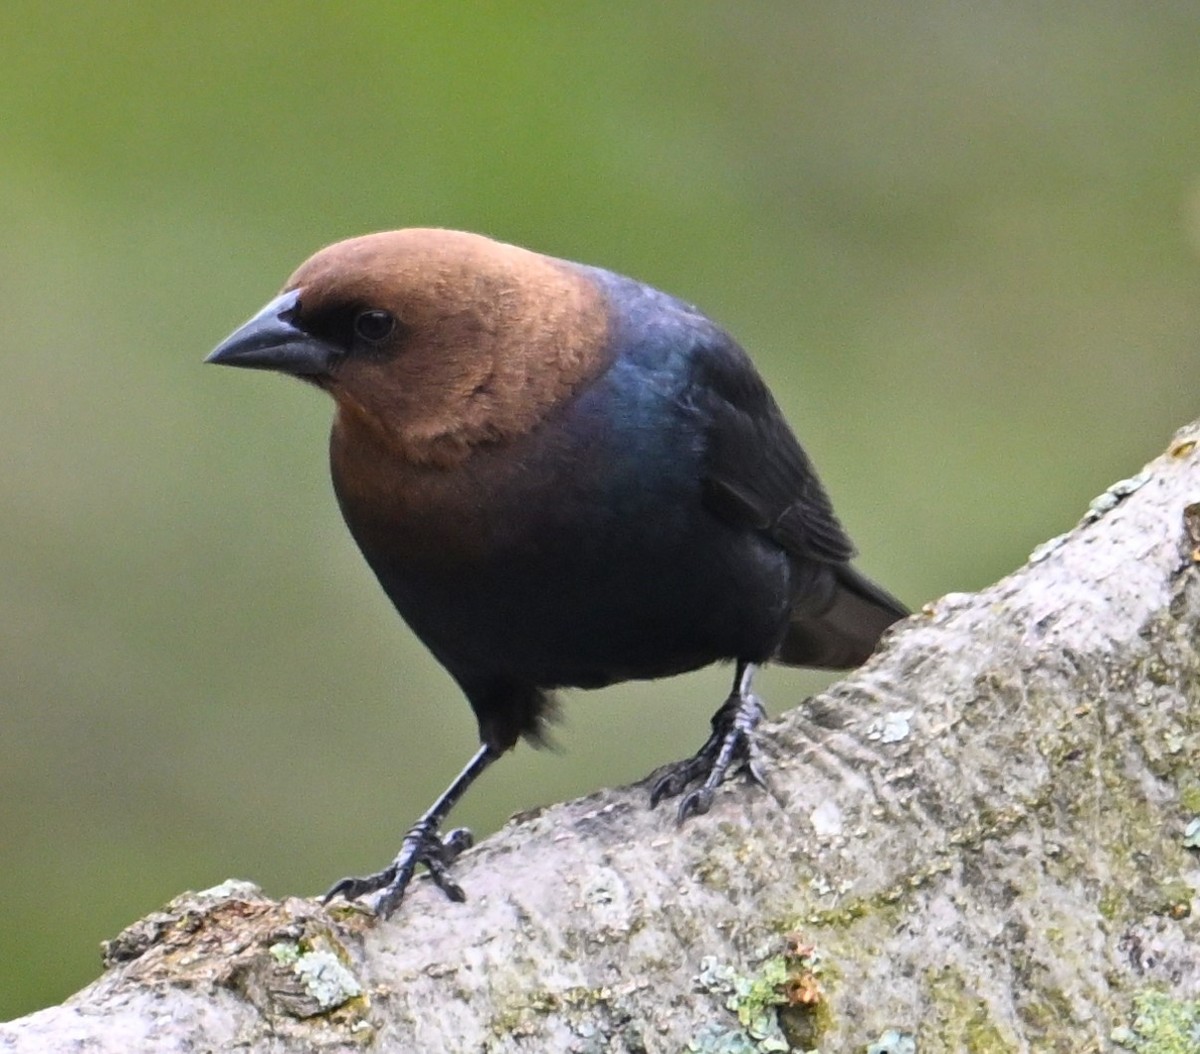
422	845
731	744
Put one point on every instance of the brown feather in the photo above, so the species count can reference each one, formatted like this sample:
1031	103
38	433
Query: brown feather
494	337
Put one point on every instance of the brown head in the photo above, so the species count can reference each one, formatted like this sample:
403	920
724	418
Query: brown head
432	341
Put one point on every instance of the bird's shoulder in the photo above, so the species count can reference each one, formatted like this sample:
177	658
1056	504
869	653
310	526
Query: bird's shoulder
755	472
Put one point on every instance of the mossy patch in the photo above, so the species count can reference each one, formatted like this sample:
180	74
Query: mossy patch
325	980
1161	1025
781	1006
600	1019
960	1019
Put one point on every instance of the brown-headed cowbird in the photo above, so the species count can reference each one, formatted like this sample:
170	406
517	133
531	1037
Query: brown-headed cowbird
562	478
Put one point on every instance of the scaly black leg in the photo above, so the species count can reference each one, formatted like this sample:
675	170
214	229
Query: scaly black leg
424	844
731	740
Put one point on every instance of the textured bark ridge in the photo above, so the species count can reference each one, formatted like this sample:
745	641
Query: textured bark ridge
985	840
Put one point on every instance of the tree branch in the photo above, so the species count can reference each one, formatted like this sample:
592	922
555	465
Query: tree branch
981	838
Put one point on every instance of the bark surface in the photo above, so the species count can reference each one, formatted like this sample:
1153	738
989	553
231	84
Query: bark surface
986	839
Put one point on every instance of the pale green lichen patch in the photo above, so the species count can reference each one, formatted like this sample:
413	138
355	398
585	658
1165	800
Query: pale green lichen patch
779	1007
891	728
716	1039
1191	834
1161	1025
600	1020
1111	498
312	977
1046	548
893	1041
285	954
230	889
329	983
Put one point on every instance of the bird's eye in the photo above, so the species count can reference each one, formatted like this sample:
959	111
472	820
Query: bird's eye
374	326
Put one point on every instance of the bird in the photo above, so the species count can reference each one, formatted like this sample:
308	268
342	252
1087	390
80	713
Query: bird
562	478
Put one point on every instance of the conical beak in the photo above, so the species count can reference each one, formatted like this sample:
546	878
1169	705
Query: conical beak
270	341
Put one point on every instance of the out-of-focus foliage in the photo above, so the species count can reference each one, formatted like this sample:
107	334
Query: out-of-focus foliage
959	239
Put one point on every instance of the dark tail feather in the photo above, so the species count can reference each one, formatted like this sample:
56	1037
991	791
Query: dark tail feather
847	631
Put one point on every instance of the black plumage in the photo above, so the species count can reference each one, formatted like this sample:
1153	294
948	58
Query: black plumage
562	478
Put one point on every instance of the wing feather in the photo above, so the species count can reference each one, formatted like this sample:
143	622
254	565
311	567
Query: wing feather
757	474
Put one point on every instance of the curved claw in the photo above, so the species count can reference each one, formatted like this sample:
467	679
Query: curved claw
438	861
456	842
675	781
351	887
752	767
422	845
695	804
731	745
440	876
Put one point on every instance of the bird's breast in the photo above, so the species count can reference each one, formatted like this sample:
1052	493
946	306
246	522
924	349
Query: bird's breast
578	555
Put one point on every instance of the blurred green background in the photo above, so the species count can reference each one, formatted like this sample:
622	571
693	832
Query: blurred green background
960	240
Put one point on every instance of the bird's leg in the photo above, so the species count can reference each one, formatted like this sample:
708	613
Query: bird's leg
731	740
424	844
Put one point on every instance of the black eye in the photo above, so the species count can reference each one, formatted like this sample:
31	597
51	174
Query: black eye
374	326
